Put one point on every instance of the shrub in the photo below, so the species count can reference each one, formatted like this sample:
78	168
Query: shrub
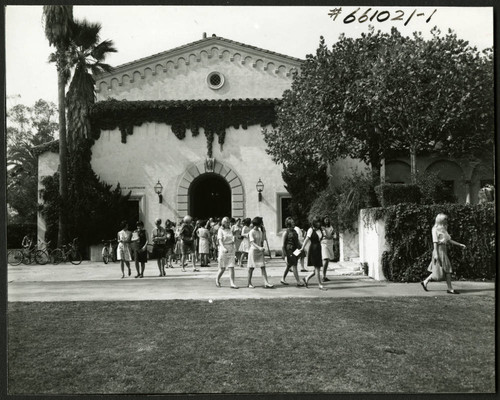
408	234
389	194
343	203
432	190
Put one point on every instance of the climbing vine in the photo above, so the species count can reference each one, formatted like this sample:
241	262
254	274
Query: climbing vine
214	116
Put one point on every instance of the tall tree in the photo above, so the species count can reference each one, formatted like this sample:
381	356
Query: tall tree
26	127
59	25
381	92
87	53
434	95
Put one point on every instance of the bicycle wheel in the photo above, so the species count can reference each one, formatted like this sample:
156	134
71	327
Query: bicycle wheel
15	257
57	256
75	257
105	255
41	257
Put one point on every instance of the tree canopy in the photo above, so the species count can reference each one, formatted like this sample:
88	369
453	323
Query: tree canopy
27	127
382	93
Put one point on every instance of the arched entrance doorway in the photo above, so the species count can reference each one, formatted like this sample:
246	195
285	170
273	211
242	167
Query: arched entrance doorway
187	185
209	196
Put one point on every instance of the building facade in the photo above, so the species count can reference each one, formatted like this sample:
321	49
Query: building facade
177	166
198	178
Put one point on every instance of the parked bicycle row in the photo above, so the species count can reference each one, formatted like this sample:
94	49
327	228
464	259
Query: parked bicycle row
31	253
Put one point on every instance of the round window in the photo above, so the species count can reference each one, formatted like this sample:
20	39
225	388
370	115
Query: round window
215	80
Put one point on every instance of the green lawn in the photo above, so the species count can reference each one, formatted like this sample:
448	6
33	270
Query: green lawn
424	344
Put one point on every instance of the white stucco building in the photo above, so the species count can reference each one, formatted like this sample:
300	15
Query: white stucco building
204	75
215	177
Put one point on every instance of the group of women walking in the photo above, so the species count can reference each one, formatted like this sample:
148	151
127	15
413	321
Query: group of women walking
229	241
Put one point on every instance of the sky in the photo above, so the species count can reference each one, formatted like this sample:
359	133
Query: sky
141	31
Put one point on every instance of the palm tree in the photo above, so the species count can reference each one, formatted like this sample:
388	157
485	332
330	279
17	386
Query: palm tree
86	54
58	29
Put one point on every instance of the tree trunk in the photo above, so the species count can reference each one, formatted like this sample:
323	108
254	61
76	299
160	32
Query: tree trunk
413	164
63	178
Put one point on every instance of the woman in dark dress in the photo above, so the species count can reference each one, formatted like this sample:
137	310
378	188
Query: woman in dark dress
290	245
139	248
314	235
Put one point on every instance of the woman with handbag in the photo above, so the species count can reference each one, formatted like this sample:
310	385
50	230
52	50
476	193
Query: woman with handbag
440	265
290	247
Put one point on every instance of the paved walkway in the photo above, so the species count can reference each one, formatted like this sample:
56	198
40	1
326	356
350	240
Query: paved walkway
95	281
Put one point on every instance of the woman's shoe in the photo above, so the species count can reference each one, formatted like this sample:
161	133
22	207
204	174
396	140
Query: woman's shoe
321	287
424	285
137	276
268	286
141	276
300	284
304	281
196	270
452	292
251	286
217	283
325	279
234	287
284	282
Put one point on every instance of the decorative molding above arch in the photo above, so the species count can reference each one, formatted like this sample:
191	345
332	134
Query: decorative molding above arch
200	168
177	59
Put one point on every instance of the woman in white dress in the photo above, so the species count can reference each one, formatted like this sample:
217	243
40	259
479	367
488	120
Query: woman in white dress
225	240
245	242
256	253
326	245
204	243
123	249
440	264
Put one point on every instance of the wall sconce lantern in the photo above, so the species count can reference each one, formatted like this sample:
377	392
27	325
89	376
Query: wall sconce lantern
158	190
260	188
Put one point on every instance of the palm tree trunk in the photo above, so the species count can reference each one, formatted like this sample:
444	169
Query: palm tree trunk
63	177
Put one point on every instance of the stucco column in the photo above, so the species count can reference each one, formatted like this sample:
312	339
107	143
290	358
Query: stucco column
467	192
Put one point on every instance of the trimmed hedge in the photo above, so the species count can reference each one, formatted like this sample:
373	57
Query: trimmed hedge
16	232
389	194
408	234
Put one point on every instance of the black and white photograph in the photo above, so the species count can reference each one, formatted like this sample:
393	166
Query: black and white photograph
249	200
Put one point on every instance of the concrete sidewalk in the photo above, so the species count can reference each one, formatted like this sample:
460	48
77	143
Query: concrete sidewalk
95	281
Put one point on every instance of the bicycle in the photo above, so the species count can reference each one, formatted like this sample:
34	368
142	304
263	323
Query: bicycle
109	251
28	255
67	252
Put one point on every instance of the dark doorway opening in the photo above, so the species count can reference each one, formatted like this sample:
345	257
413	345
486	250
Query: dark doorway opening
132	214
209	196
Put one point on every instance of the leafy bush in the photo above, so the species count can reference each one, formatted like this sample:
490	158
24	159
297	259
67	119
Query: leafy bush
408	234
16	232
389	194
432	190
343	203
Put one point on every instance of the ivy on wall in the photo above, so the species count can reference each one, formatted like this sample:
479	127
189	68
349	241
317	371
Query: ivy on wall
214	116
408	233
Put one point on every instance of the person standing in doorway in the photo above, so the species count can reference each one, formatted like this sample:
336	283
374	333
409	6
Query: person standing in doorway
314	235
225	240
123	249
256	253
169	243
290	246
187	242
140	248
159	239
326	245
440	265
